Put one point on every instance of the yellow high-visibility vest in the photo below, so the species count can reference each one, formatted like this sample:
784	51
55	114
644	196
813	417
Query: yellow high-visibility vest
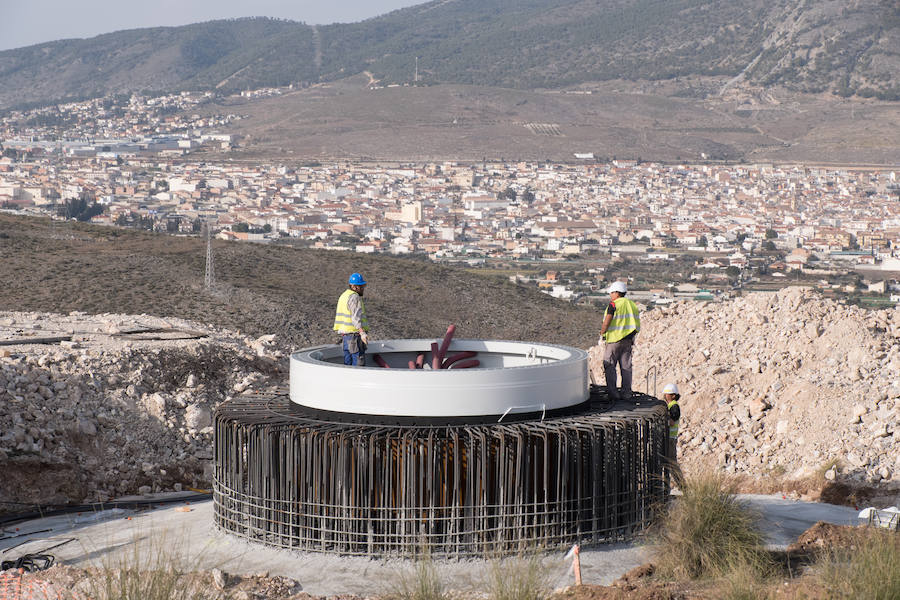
343	321
624	321
673	429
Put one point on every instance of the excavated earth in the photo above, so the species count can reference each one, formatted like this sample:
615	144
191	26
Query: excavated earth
123	406
790	391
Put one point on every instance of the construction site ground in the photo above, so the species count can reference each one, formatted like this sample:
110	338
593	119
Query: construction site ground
184	530
789	393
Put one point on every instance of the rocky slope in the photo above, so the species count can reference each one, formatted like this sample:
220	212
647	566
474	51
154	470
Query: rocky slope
788	385
111	412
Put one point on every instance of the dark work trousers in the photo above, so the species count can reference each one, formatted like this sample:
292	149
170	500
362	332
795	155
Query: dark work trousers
671	461
354	350
618	353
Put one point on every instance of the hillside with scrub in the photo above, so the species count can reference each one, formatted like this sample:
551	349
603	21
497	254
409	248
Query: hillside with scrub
813	47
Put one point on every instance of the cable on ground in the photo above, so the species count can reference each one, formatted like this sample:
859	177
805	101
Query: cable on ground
29	562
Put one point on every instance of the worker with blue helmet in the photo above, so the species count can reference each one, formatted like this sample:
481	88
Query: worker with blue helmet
351	323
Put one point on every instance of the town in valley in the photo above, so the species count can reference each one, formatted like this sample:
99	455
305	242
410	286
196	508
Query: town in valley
703	230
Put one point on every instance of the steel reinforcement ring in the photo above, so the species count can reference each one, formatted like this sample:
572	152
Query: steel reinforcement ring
288	478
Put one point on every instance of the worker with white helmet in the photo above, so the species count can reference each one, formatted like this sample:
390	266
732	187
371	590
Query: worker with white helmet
351	323
672	396
621	324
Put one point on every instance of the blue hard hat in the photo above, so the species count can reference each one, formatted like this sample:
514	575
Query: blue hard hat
357	279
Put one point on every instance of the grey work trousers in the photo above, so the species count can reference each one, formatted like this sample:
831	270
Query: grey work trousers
618	353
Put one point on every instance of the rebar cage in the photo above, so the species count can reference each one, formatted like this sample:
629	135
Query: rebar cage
286	479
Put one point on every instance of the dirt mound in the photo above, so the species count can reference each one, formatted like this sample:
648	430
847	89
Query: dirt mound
824	536
124	406
783	386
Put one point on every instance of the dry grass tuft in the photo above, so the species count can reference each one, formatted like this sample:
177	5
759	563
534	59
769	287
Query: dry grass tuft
707	533
869	567
149	571
524	577
421	582
743	582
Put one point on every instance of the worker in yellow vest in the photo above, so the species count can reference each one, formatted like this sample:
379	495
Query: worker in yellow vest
621	325
671	397
351	323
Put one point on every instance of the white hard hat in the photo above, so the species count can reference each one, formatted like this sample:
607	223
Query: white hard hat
617	286
670	388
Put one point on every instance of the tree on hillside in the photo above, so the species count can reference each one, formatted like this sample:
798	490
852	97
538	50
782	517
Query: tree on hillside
80	209
771	234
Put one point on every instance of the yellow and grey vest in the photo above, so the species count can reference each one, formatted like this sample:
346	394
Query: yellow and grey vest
673	429
624	321
343	320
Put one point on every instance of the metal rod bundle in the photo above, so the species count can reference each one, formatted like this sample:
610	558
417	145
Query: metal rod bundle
286	479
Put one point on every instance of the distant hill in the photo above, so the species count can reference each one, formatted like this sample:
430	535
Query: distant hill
62	267
651	121
803	45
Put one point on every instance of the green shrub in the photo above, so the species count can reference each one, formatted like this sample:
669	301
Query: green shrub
708	533
868	568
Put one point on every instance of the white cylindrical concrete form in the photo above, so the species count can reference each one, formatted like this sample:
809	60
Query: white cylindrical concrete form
513	377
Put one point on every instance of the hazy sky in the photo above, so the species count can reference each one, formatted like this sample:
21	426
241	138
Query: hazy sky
27	22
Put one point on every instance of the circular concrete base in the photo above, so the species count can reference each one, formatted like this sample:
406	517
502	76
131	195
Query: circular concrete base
511	378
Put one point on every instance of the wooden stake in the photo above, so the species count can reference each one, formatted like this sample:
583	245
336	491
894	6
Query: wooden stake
576	565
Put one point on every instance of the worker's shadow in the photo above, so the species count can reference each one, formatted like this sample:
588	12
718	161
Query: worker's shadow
91	556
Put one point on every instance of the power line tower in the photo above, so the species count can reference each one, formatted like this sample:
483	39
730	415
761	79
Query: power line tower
210	281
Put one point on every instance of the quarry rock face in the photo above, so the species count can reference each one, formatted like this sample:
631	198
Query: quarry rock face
790	382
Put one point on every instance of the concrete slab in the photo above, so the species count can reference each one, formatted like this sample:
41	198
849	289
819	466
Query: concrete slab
783	520
185	532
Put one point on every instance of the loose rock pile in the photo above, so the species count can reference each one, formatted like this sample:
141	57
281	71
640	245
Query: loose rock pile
789	384
107	414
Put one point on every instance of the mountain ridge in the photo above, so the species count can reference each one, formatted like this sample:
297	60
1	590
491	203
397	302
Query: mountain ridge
799	45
